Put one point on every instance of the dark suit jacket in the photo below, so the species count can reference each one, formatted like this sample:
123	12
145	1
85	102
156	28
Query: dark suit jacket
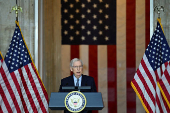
86	81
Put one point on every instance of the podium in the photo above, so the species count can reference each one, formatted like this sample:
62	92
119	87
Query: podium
94	100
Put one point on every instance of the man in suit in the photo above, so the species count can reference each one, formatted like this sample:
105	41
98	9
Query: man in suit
76	66
78	79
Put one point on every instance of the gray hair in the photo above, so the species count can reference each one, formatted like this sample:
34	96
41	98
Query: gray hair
74	60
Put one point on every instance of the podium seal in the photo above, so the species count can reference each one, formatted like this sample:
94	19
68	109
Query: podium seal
75	101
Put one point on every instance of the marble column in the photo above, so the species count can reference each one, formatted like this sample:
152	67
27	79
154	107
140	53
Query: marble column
51	49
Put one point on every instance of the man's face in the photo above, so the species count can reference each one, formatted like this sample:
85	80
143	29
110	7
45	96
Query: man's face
77	69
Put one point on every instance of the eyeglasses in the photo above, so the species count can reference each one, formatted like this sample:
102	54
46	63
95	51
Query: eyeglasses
77	66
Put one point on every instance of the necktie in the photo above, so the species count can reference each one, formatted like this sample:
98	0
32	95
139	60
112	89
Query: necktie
77	84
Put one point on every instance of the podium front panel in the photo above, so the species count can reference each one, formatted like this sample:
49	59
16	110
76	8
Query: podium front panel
94	101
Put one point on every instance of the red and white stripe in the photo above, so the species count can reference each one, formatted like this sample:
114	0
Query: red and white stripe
22	90
164	84
1	101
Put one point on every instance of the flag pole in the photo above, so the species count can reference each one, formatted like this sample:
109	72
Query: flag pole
16	9
159	8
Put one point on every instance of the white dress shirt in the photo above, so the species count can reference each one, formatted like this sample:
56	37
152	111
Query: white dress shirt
75	80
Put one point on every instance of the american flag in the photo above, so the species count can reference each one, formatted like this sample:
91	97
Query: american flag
1	59
21	87
150	71
111	63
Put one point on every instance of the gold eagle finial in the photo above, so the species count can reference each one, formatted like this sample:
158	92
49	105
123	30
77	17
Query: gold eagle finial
16	9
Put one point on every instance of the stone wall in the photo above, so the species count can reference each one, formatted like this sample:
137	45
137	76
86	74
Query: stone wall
164	15
7	23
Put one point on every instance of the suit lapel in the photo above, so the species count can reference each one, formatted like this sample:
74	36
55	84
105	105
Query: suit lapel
71	80
83	81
